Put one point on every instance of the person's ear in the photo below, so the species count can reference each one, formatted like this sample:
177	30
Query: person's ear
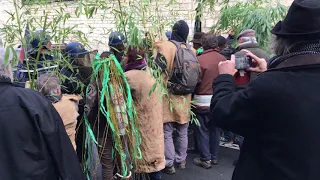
59	91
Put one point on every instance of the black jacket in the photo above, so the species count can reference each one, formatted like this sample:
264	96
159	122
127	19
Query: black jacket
278	115
33	142
76	82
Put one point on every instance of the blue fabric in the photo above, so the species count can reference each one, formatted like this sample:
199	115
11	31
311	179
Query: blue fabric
161	61
168	34
150	176
208	138
228	136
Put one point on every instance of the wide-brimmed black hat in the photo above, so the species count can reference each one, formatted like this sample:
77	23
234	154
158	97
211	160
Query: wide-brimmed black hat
302	21
197	37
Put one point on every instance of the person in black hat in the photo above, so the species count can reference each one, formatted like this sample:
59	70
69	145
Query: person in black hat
222	43
277	113
196	41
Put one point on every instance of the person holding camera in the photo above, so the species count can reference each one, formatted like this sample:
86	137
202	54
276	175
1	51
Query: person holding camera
246	40
277	113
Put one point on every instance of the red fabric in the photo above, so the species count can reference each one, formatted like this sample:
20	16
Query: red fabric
21	55
242	80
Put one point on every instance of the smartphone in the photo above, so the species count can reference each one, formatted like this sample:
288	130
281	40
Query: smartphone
243	62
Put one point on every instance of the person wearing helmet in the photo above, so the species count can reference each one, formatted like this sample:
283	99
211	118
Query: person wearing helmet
39	41
77	77
116	44
38	46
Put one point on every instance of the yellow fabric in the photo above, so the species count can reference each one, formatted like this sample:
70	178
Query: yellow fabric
68	110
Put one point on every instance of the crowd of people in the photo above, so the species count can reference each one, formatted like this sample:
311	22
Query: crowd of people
268	107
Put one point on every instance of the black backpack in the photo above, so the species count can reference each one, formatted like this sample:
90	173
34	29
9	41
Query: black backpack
186	71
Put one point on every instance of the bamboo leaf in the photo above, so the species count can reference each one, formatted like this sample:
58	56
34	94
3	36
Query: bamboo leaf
153	89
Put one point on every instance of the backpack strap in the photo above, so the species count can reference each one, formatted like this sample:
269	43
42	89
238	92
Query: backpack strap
176	43
187	45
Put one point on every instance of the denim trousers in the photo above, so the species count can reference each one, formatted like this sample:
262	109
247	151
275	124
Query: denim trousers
208	138
175	151
149	176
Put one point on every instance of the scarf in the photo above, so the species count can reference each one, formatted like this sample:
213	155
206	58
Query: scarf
313	48
138	65
54	98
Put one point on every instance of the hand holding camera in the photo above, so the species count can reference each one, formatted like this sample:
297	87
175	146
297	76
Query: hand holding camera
227	67
257	64
248	62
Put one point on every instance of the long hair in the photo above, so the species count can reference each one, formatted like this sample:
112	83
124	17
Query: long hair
283	46
135	55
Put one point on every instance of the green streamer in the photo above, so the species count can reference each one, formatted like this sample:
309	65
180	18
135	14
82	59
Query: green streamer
106	92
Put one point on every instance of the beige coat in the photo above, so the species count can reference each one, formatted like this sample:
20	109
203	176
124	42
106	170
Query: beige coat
68	110
181	104
149	110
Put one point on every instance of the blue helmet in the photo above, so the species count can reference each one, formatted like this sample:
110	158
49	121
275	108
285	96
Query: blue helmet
116	38
168	34
40	38
75	48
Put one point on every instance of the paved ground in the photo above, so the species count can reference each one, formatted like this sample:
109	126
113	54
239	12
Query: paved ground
222	171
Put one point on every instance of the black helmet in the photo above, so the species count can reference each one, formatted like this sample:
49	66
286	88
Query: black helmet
78	55
40	38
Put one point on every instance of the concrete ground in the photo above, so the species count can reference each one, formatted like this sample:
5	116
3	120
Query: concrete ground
222	171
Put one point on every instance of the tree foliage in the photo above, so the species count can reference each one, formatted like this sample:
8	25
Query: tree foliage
259	15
